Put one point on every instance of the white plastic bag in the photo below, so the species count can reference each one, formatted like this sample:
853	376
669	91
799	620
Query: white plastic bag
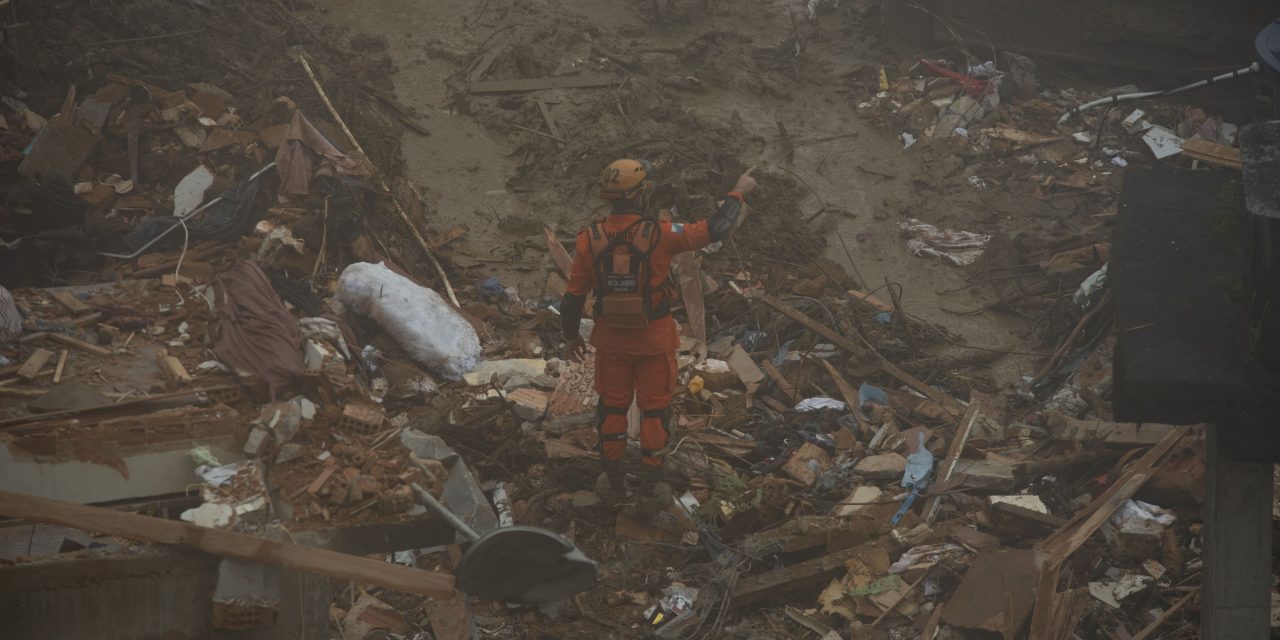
431	331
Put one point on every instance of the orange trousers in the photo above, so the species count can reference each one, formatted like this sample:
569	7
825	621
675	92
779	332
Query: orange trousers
651	380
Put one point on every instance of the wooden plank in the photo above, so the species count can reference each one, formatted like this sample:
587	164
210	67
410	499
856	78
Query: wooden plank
850	396
551	124
173	370
62	363
814	326
228	544
484	62
72	303
950	404
780	380
871	300
562	258
34	364
1150	629
318	483
1067	429
1212	153
525	85
79	344
779	582
1237	546
948	467
690	283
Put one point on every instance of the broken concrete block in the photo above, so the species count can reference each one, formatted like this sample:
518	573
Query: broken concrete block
808	462
360	417
306	407
504	369
314	355
283	419
1139	539
257	440
987	474
1029	502
885	466
288	452
247	596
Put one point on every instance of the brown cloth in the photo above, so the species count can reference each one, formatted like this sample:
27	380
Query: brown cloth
305	153
255	331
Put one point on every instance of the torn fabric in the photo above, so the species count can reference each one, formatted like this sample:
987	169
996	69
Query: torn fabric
255	331
306	153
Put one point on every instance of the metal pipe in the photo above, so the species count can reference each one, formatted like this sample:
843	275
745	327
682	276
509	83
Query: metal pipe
182	220
1243	71
456	522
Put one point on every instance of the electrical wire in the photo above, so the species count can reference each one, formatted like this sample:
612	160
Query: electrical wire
1124	97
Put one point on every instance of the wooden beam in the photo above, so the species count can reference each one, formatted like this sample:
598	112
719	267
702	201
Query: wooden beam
779	582
72	303
526	85
560	256
871	300
948	466
952	406
1150	629
780	380
814	326
551	124
1066	429
850	396
1212	153
62	363
173	371
228	544
34	364
79	344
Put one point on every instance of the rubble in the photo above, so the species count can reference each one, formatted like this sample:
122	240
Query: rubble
838	458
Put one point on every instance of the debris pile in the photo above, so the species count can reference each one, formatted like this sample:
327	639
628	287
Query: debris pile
225	259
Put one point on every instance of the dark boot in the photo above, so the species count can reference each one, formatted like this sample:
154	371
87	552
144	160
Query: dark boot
653	493
611	485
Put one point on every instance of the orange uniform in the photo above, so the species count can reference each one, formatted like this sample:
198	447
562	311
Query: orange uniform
633	362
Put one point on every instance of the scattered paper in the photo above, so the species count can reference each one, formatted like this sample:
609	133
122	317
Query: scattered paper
1163	142
818	403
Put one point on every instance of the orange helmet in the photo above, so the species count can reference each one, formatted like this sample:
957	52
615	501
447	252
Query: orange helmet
624	179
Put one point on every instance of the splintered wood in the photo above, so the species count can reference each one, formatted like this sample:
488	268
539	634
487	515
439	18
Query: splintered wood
573	402
1065	541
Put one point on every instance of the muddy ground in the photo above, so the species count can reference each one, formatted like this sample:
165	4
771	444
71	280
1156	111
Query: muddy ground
778	90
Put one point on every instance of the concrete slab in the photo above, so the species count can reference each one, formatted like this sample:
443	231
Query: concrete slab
145	473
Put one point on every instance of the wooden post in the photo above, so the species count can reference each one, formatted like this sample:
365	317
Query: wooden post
1237	547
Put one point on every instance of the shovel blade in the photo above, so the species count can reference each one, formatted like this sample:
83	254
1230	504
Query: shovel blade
524	565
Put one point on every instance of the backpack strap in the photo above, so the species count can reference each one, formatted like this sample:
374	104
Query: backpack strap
598	238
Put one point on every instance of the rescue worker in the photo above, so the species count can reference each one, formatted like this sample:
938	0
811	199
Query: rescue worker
623	261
